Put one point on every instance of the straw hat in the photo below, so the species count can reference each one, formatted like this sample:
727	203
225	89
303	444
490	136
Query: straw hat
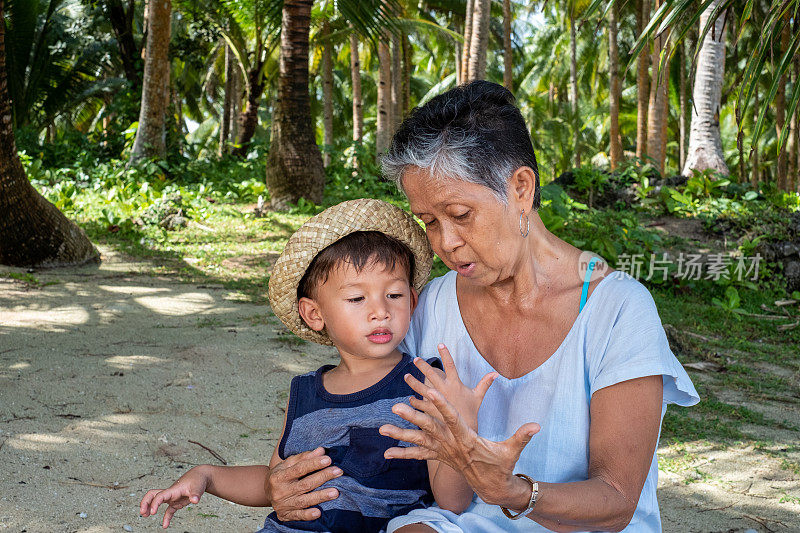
365	214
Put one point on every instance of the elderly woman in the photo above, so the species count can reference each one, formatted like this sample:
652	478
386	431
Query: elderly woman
565	436
579	355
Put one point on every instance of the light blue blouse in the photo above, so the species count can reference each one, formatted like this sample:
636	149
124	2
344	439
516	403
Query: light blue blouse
617	336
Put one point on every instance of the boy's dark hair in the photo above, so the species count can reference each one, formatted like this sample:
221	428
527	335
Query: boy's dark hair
359	249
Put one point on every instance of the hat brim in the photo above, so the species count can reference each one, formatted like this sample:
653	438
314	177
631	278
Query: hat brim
319	232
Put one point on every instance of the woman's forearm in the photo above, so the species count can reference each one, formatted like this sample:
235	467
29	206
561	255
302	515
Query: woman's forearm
590	505
245	485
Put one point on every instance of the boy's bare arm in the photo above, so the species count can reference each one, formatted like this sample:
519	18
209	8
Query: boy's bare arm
245	485
450	488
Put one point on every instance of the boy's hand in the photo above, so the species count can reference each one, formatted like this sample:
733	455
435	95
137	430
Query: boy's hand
466	401
183	492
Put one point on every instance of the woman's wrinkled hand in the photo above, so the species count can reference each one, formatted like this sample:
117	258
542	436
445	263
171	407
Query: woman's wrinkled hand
447	435
291	485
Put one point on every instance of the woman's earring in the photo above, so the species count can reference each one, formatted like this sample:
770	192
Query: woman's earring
527	224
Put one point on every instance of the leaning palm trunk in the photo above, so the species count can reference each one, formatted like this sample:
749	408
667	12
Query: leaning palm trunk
355	75
508	73
397	81
33	232
327	93
684	105
615	149
294	164
383	126
405	102
573	81
248	118
780	114
150	136
657	109
225	122
705	144
642	81
479	40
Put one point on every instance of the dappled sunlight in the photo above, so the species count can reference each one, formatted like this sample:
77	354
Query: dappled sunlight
188	303
41	442
128	361
47	319
19	366
132	289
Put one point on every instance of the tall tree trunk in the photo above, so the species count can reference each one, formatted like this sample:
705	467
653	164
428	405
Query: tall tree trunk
684	105
755	170
405	106
573	82
236	103
294	164
122	24
248	118
658	102
705	143
150	136
508	66
615	149
479	42
33	232
383	132
355	75
642	80
794	147
327	93
780	113
225	121
397	81
468	18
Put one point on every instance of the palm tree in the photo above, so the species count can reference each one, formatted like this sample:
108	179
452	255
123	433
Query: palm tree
294	164
615	92
150	135
642	80
479	40
383	128
355	76
705	143
465	52
780	111
327	90
573	79
657	111
122	24
227	105
33	232
508	74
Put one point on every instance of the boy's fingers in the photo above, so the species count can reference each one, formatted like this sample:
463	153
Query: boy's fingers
416	385
168	516
483	385
431	374
144	505
447	362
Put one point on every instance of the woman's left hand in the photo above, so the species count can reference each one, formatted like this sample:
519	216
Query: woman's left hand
446	435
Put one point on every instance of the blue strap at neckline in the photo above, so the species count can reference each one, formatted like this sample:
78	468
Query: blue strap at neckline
585	289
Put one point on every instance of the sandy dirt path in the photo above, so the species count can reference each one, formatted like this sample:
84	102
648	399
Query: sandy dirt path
109	372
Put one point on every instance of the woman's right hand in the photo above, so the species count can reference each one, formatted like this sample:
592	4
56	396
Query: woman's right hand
291	485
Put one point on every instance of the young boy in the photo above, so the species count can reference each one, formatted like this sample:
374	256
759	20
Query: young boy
349	278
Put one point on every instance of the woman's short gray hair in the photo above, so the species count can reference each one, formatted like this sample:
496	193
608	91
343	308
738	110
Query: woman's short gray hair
473	133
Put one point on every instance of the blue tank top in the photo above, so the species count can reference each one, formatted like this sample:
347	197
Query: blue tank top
372	489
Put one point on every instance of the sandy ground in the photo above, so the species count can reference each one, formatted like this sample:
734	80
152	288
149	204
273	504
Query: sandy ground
106	375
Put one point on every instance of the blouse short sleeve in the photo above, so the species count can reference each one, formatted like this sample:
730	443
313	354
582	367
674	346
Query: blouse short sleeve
632	344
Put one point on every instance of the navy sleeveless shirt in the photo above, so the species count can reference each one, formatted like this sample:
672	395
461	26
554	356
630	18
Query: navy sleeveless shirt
372	489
